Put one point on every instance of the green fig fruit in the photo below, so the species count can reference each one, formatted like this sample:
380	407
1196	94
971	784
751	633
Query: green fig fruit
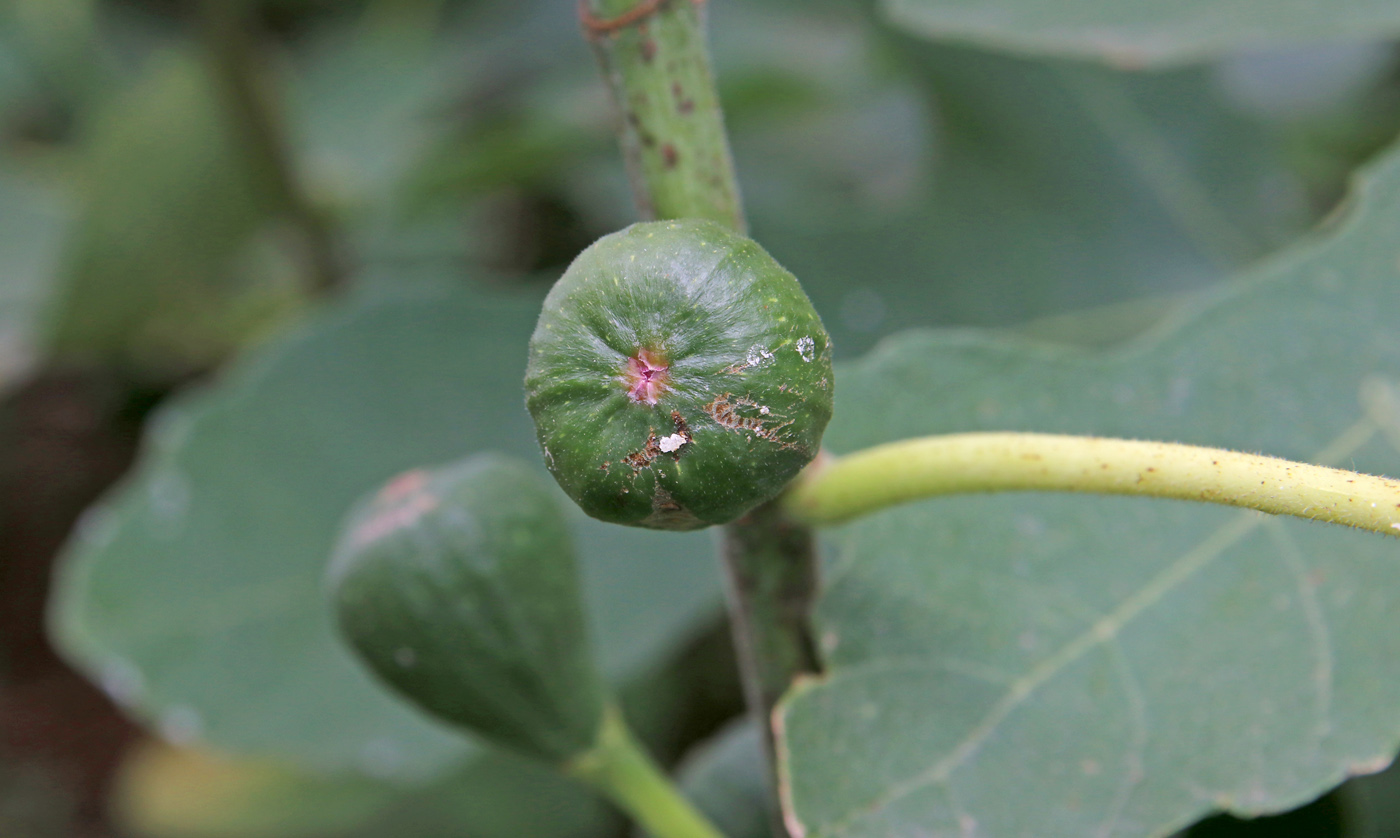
678	377
458	588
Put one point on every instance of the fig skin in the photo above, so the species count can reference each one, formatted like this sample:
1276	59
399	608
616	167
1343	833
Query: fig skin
458	587
678	377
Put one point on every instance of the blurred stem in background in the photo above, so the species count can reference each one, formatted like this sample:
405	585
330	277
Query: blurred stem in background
226	31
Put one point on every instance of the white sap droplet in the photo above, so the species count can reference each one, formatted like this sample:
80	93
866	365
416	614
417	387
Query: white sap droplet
170	428
671	443
181	725
97	527
806	347
121	681
169	495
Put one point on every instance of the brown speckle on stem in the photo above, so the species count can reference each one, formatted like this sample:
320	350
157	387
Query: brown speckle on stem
669	156
684	104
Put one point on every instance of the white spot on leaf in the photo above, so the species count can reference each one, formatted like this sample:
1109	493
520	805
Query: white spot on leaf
122	681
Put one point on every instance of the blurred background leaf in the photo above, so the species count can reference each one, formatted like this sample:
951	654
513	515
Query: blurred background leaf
164	270
466	144
1137	33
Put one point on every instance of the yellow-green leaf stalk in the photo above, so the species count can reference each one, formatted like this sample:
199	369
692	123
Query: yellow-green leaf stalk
843	488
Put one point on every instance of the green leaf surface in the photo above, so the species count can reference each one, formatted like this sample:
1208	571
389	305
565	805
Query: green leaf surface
727	779
167	264
1136	33
195	593
1069	666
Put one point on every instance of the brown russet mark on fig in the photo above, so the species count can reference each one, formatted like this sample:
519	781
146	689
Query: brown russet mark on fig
669	156
725	411
648	49
676	443
662	501
681	427
643	458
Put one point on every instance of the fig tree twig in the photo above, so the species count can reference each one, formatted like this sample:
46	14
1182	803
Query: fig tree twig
229	45
654	59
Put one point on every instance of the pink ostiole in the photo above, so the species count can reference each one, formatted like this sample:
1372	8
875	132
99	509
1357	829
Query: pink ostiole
647	377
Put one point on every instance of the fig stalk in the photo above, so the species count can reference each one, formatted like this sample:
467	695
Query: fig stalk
771	582
620	769
225	28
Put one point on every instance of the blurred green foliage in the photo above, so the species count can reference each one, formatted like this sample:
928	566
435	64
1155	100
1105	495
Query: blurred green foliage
462	152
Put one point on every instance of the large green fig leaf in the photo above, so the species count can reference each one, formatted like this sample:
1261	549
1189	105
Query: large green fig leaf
1134	33
1070	666
195	594
727	779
